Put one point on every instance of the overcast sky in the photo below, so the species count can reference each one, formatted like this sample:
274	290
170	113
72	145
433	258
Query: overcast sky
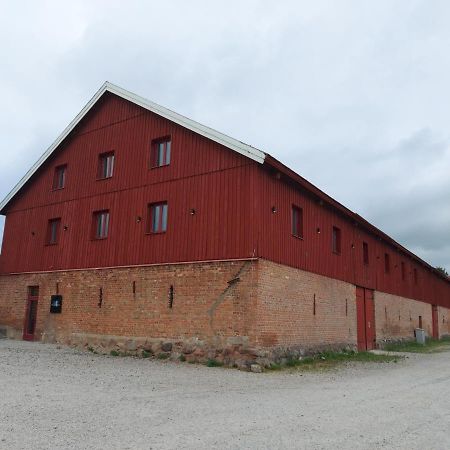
353	95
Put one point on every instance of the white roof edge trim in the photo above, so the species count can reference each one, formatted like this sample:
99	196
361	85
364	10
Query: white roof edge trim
227	141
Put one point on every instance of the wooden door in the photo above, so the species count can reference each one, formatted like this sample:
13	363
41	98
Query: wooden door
360	319
370	319
365	319
435	321
31	313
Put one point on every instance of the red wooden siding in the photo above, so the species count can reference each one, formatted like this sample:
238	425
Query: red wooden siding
314	252
221	205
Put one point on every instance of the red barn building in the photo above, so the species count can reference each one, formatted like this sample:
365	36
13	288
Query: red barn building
142	229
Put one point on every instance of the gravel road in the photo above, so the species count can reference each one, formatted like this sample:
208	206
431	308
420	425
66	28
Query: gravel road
61	398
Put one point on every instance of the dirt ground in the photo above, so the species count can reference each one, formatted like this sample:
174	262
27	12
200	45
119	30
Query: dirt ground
61	398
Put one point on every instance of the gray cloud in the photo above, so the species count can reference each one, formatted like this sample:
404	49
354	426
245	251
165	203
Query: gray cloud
352	95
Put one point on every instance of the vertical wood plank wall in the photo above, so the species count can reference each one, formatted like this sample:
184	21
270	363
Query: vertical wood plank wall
233	198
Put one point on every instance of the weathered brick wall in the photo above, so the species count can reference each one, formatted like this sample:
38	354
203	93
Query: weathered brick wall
206	307
397	317
230	310
443	319
286	315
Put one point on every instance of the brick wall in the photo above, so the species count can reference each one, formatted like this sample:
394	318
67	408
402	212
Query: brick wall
397	317
286	314
228	310
206	306
443	319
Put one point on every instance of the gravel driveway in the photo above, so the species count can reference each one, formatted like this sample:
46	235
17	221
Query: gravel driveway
61	398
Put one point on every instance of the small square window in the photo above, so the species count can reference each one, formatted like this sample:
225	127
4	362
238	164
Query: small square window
387	263
59	178
105	165
297	221
100	225
53	228
160	152
366	253
336	240
157	217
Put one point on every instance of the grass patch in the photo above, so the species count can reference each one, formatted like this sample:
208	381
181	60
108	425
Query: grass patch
182	358
163	355
431	346
213	363
326	360
146	354
114	353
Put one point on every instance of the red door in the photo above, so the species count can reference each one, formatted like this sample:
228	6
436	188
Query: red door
31	313
370	319
435	321
360	319
365	319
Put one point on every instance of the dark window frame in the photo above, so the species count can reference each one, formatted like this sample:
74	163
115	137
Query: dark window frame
336	240
366	253
101	224
403	270
53	231
59	177
297	221
387	263
160	152
157	217
106	163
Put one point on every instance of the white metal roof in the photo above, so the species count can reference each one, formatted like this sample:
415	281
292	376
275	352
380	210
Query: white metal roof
227	141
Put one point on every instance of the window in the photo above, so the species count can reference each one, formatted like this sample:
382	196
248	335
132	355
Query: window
297	221
59	178
100	225
53	231
160	152
105	165
365	253
157	218
387	263
403	270
336	240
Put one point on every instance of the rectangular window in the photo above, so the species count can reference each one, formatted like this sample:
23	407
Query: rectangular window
157	218
336	240
59	178
297	221
366	253
403	270
100	225
105	165
53	231
160	152
387	263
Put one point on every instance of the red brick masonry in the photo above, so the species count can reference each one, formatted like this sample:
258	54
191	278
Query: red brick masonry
233	311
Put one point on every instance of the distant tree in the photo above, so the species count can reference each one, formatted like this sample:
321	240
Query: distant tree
442	270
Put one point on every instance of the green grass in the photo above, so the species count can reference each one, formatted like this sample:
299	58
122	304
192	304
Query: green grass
163	355
214	363
431	346
327	360
146	354
114	353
